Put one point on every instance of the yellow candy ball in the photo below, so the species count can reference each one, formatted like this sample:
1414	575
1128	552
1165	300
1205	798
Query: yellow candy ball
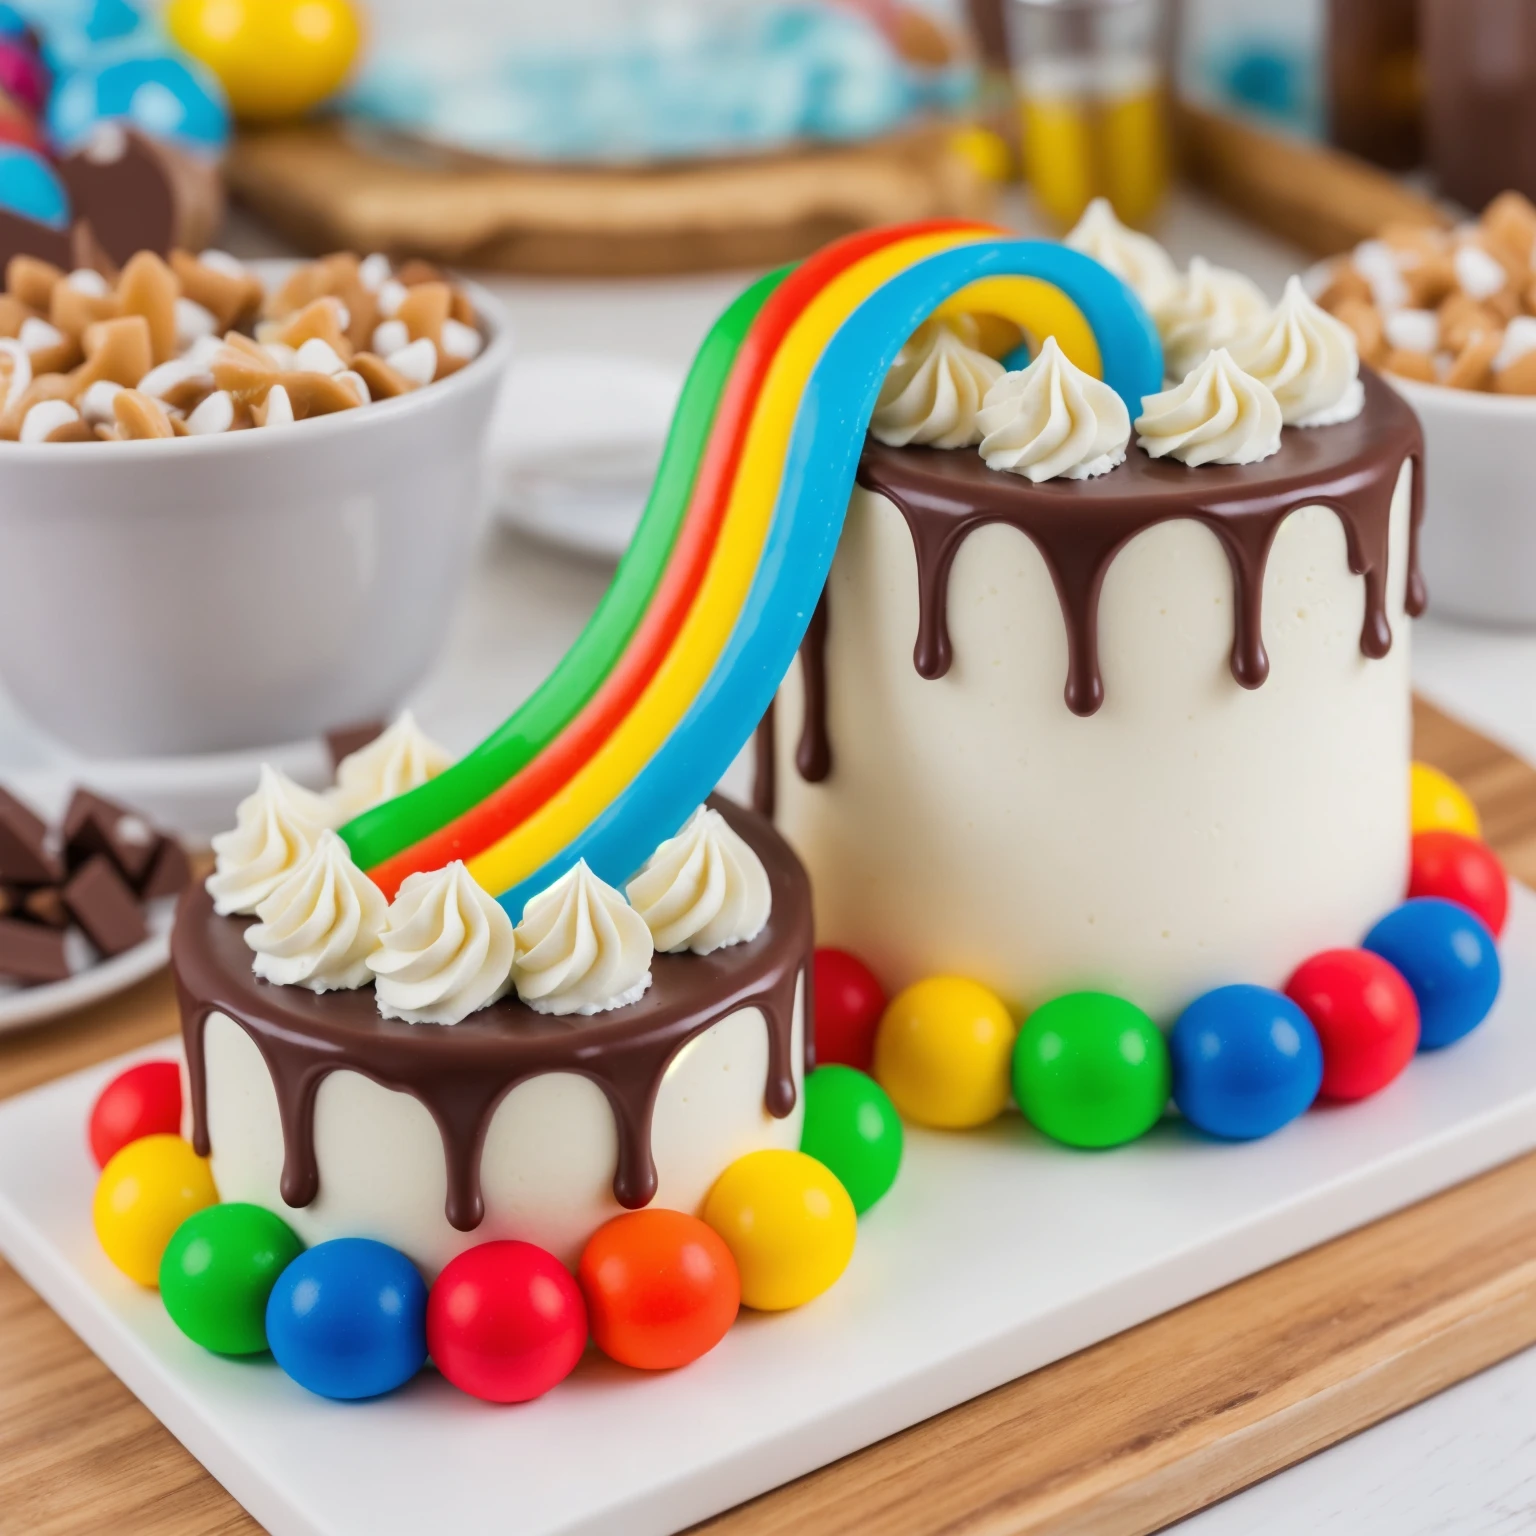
1439	804
276	59
145	1192
943	1052
789	1224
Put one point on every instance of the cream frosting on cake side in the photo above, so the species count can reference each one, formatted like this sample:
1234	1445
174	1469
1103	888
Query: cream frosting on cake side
1227	791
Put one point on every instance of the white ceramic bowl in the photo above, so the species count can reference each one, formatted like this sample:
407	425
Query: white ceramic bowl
1479	541
216	593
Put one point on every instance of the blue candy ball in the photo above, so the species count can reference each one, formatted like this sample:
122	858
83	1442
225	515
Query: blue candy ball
12	22
1245	1062
28	186
161	95
347	1319
1448	957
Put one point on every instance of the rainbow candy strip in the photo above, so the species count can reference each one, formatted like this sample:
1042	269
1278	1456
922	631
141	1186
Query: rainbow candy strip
673	672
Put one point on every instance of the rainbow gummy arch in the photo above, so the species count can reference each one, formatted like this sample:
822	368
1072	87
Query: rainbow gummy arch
671	675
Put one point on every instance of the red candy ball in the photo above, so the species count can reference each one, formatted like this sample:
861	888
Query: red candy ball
143	1101
849	1003
1463	870
506	1322
1365	1015
662	1288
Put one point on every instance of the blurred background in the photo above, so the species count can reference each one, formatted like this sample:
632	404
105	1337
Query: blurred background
614	170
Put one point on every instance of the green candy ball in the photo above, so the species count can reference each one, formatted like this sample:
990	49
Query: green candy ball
852	1128
1091	1070
218	1270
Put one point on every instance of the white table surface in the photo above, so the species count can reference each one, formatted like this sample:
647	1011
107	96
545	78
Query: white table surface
1464	1462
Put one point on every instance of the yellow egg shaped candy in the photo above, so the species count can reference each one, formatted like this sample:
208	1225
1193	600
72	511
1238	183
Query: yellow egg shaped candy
276	59
943	1052
789	1225
145	1192
1439	804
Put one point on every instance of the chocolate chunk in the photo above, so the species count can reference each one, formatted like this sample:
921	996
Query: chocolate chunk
348	739
95	825
10	901
28	855
103	903
45	905
170	874
29	953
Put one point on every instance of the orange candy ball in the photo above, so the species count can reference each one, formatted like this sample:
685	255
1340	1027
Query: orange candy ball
661	1288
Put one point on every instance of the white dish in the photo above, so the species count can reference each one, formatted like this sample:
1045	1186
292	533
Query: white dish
574	446
21	1007
995	1254
217	593
1479	541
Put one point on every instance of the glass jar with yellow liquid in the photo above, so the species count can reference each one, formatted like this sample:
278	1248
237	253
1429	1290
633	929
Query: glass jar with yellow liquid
1090	77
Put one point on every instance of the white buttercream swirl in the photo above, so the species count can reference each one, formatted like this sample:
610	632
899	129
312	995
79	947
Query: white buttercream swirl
397	759
934	391
1218	415
275	829
1051	419
1307	358
1136	259
320	924
445	950
1210	308
704	889
581	948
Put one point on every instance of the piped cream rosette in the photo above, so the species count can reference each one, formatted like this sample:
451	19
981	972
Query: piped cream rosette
581	948
275	829
320	924
1052	420
1307	359
932	395
704	889
1218	415
445	950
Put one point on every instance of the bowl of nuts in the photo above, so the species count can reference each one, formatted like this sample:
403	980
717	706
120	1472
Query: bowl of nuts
237	502
1449	315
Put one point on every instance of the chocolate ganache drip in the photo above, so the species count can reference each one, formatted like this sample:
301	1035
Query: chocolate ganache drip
1079	526
462	1072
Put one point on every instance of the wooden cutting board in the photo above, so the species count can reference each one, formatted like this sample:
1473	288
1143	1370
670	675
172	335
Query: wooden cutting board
1115	1441
325	190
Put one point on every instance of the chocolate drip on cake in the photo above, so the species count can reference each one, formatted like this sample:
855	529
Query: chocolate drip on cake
1079	526
462	1072
813	756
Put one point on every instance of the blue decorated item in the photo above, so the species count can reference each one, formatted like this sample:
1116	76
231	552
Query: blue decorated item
1448	957
347	1319
1246	1061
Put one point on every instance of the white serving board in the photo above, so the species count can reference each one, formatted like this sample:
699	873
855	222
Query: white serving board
995	1254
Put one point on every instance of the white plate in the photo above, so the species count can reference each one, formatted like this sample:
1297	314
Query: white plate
995	1254
21	1006
574	446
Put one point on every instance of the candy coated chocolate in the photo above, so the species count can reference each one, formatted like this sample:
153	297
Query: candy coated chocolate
104	905
30	953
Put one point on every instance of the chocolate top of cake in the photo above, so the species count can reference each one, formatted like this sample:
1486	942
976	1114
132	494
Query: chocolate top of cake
461	1072
1079	526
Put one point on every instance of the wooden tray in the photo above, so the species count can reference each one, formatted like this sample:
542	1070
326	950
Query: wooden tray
1119	1439
323	190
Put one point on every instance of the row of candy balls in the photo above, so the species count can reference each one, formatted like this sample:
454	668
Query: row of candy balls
504	1321
1093	1070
